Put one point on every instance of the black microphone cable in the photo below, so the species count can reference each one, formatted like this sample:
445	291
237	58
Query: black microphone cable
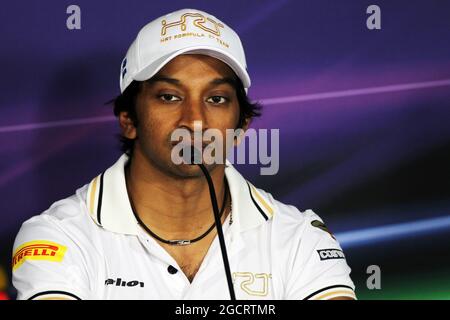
195	154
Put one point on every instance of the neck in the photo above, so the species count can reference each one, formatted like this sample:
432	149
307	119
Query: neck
173	208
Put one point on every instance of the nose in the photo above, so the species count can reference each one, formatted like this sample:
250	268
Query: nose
193	114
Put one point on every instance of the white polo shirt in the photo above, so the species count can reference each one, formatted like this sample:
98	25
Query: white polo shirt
90	246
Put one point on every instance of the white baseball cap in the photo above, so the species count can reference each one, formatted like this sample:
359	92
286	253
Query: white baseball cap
180	32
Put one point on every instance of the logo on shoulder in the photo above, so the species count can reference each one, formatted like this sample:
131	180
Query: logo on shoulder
322	226
38	250
327	254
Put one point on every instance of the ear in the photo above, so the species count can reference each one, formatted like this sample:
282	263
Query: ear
243	129
246	124
127	125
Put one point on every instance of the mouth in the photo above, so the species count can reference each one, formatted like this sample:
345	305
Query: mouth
191	144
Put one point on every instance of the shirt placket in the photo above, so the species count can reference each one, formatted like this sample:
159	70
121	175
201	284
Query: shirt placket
212	265
172	273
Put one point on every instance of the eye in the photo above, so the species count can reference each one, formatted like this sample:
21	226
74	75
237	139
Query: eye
217	99
167	97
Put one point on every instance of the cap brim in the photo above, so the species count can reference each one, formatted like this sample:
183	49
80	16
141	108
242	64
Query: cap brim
153	68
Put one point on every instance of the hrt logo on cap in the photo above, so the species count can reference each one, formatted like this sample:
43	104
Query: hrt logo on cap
199	22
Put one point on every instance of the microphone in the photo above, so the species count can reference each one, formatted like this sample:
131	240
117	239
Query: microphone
192	155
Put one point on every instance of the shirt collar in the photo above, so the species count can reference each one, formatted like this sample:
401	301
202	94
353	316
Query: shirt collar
109	206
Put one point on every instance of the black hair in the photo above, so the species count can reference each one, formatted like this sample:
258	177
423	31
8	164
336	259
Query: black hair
126	102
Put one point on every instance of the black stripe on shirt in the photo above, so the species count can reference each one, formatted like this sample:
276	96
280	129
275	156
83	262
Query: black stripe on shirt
256	204
327	288
99	204
65	293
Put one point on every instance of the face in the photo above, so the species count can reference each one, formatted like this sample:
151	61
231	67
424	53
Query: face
190	88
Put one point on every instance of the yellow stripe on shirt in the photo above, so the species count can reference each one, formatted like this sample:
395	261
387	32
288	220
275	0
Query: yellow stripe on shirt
339	293
92	196
262	201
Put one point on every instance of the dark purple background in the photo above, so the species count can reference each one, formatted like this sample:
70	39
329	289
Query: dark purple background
360	161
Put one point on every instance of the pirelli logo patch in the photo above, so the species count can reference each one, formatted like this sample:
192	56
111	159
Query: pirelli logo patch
327	254
38	250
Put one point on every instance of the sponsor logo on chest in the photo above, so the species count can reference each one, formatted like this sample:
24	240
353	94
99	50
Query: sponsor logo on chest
123	283
254	284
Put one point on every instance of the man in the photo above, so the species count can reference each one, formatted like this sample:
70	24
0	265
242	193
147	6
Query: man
144	228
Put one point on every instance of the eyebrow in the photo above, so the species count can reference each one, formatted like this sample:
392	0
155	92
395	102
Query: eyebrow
226	80
217	81
160	78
